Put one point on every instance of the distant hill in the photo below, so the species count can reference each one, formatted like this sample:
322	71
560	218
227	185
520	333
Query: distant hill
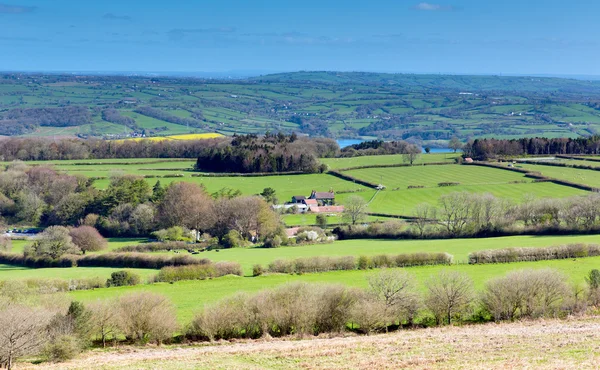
418	108
432	81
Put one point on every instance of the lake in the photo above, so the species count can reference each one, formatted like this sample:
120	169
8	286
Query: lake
347	142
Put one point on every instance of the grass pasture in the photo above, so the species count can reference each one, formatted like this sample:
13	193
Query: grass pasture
191	296
340	163
430	176
585	177
404	201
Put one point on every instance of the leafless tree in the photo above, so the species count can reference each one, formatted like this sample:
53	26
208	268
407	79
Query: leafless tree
23	332
411	154
424	214
396	289
105	319
455	212
449	293
355	209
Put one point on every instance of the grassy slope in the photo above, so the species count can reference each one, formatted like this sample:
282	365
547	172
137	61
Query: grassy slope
586	177
544	344
190	296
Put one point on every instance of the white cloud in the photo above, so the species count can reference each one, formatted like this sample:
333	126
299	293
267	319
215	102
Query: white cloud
428	7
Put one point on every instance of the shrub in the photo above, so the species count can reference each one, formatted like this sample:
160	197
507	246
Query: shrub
274	242
526	294
321	221
227	319
367	313
593	281
223	268
171	274
147	317
63	348
233	239
534	254
174	234
364	263
5	244
448	183
123	278
257	270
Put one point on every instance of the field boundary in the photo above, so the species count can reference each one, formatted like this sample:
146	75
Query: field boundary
352	179
393	165
541	177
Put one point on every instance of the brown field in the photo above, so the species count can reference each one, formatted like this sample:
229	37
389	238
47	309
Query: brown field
544	344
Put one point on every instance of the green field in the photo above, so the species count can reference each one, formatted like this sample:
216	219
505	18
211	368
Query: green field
585	177
340	163
403	202
397	199
191	296
430	176
21	273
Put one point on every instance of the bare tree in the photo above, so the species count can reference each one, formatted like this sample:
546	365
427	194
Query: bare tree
411	154
105	319
424	214
455	212
355	209
449	293
185	204
396	289
455	144
23	332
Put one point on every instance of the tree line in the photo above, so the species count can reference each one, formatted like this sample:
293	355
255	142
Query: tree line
130	206
484	149
464	214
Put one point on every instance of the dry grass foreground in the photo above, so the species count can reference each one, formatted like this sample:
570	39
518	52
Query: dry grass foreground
547	344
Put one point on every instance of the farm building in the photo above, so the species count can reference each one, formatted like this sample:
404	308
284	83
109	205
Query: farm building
327	209
323	198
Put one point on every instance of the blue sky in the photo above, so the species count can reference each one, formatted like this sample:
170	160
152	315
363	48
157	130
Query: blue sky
454	36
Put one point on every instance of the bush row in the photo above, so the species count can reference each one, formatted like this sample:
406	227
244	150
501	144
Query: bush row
155	247
172	274
117	260
169	176
391	301
323	264
352	178
534	254
255	174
